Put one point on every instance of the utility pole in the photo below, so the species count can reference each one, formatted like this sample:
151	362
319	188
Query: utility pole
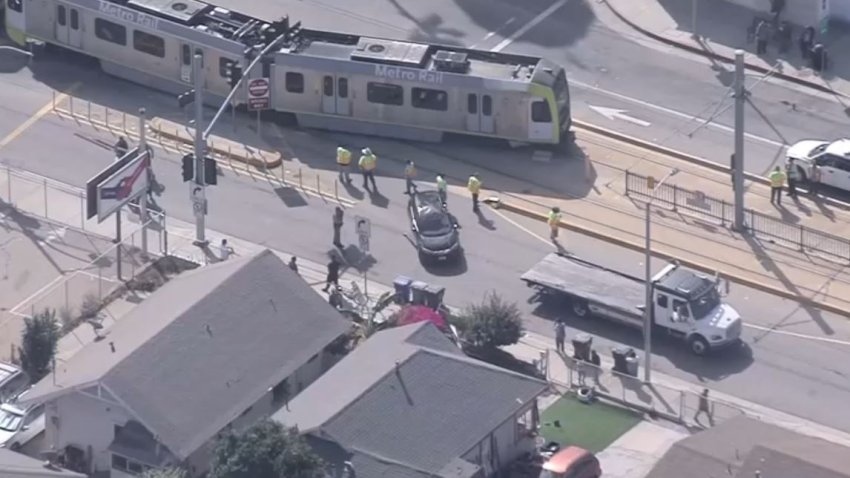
196	190
738	158
694	32
143	200
649	304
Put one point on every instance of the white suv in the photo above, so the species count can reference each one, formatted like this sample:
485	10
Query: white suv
832	158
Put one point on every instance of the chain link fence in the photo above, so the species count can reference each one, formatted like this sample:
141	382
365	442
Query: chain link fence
697	204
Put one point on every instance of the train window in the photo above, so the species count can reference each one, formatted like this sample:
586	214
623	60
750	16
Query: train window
342	88
60	15
186	54
472	104
328	85
75	19
16	5
111	32
385	94
294	82
429	99
486	105
147	43
540	112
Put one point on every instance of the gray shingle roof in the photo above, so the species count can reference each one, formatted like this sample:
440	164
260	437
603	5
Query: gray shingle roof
206	346
417	406
775	464
722	450
16	465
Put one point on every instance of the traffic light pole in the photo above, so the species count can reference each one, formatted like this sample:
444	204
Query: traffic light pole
738	166
143	200
199	199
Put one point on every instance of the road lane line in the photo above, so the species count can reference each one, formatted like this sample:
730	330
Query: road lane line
37	116
528	26
674	113
490	34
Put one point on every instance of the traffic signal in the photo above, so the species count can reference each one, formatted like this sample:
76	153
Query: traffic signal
210	172
234	74
188	167
186	98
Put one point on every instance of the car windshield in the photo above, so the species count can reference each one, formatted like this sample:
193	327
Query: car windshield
9	421
704	304
434	224
818	150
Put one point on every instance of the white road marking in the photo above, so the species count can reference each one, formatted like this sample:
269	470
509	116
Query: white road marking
490	35
56	235
615	114
678	114
528	26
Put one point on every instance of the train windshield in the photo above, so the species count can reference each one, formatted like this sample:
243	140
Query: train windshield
562	98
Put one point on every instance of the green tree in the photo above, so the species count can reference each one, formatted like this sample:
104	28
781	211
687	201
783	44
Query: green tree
165	473
40	337
490	324
266	450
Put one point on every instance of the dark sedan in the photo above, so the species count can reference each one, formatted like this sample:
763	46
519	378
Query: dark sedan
435	230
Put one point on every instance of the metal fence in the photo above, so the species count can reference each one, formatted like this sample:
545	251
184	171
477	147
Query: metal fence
697	204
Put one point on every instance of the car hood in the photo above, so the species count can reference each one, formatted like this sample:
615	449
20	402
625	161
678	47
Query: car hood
722	317
438	243
801	149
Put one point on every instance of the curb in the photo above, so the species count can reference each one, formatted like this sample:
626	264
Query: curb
716	56
688	263
624	138
260	161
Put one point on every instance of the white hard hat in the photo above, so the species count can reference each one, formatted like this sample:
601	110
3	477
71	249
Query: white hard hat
367	151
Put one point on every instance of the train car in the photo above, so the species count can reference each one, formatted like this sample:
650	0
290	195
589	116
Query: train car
327	80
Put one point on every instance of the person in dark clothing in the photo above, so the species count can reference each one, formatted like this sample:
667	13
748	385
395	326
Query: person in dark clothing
704	408
806	40
292	265
560	336
762	36
785	35
337	224
333	274
121	147
819	57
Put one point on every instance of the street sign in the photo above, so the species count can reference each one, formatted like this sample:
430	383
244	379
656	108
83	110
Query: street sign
199	200
121	187
364	231
259	94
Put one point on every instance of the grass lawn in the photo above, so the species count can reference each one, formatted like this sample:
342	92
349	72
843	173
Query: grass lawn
592	427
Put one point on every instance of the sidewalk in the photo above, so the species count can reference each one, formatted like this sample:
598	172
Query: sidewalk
722	27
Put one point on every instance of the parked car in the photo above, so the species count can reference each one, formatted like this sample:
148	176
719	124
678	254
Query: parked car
435	230
20	424
12	381
833	158
572	462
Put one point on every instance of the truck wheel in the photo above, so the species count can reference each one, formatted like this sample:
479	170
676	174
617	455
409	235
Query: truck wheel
698	345
580	308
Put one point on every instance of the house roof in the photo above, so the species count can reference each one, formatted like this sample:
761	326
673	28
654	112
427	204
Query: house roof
405	379
772	463
724	449
16	465
204	347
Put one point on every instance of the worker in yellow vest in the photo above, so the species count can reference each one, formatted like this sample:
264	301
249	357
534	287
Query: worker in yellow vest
343	164
368	163
554	223
442	188
474	187
777	181
409	175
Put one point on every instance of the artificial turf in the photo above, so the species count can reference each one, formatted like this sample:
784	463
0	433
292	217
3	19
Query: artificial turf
592	427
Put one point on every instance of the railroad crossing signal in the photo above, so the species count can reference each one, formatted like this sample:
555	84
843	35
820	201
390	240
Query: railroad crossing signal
210	170
234	74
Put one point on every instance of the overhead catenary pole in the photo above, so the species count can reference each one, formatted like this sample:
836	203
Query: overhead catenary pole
143	200
694	32
200	149
648	285
738	163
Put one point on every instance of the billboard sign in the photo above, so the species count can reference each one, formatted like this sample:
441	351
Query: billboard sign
123	185
91	184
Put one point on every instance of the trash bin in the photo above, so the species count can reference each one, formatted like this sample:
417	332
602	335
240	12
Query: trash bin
620	355
418	292
402	289
632	365
582	344
434	296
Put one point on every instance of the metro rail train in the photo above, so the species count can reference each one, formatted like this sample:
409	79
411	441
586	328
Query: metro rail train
327	80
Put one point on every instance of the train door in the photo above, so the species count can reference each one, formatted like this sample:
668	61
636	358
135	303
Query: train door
335	95
16	23
479	113
540	120
75	31
62	23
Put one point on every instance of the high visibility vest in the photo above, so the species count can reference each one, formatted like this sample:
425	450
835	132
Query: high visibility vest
777	179
368	161
554	218
410	171
474	185
343	156
441	184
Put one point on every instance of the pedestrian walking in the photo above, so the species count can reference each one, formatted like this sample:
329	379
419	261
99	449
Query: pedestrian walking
368	162
474	187
292	265
409	176
225	251
343	164
762	36
807	38
442	188
704	407
814	180
337	225
777	181
121	147
333	274
794	176
560	335
554	223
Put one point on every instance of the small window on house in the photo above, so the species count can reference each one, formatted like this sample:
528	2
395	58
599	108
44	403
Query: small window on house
111	32
294	82
16	5
472	104
147	43
429	99
540	112
662	301
280	391
119	462
61	19
134	467
385	94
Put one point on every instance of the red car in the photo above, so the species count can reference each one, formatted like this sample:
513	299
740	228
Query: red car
572	462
